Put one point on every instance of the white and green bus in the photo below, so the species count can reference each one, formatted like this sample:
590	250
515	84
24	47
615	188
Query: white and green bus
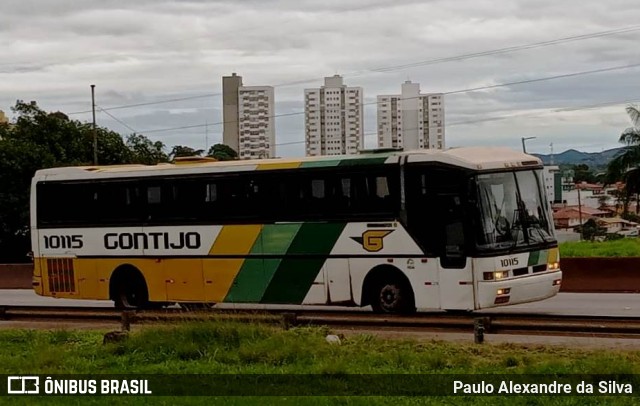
461	229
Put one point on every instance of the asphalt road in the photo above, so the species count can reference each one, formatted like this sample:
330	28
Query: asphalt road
591	304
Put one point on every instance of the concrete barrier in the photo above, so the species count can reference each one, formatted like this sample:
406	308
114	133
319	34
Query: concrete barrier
15	276
580	275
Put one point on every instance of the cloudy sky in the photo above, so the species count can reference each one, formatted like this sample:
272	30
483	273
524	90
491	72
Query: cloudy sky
141	52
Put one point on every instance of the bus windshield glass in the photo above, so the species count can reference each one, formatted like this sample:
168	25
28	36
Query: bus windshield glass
513	211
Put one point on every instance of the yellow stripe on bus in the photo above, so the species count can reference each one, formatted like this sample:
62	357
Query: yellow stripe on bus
219	274
553	255
280	165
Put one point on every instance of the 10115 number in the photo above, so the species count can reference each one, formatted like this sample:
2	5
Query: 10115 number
62	241
509	262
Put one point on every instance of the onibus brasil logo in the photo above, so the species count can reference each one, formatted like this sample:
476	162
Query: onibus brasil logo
31	385
372	240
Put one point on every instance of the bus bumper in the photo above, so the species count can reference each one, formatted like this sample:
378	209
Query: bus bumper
507	292
36	283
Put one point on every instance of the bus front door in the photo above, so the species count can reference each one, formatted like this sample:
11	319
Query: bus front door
455	269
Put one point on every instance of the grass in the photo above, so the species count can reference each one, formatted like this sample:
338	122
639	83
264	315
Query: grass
626	247
231	348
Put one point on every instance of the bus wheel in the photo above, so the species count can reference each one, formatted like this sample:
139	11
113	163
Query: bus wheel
129	291
393	296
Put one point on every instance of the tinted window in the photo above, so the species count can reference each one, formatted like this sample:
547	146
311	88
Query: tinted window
331	194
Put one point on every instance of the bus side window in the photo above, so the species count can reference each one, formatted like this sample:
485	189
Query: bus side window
211	193
450	207
343	194
154	195
317	196
118	202
155	209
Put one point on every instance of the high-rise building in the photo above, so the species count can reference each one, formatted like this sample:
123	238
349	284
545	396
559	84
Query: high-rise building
3	118
333	118
230	86
248	115
257	122
411	120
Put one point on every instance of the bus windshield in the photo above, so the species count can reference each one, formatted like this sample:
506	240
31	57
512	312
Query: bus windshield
512	209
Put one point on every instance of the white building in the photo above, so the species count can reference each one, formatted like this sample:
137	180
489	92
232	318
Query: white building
550	173
248	113
257	124
333	118
411	120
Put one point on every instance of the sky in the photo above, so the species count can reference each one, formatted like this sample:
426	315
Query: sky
138	53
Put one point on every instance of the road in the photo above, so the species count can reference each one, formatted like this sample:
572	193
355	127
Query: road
590	304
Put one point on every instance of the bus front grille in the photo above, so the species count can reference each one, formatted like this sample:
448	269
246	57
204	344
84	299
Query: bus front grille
61	275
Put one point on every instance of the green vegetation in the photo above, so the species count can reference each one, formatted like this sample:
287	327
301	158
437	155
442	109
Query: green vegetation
232	348
37	139
625	166
626	247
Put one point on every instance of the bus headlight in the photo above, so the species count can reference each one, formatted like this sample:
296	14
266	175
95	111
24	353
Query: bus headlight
503	291
497	275
554	266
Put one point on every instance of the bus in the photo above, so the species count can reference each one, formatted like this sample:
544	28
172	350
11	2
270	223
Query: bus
459	229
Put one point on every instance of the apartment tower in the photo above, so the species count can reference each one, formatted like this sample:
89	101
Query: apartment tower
333	118
248	113
411	120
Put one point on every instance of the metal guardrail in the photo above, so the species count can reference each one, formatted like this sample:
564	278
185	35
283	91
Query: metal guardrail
479	323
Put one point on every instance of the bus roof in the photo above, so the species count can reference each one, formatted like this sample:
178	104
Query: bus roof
473	158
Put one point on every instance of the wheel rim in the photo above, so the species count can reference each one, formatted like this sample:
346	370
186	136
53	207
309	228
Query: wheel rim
389	297
129	296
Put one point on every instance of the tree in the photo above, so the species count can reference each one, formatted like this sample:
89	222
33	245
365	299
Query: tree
222	152
182	151
591	229
582	173
144	151
37	140
602	200
626	165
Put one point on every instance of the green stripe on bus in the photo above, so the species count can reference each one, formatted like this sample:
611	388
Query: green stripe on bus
320	164
255	274
544	255
364	161
294	276
533	258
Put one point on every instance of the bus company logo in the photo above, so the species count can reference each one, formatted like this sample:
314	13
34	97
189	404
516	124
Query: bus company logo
372	240
23	385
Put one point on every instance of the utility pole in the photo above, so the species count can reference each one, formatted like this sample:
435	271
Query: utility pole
206	137
95	134
524	148
580	214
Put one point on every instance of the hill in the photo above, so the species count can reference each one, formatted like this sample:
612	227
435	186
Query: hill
573	157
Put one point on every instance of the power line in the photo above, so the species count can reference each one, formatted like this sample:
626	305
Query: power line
468	90
404	66
117	119
463	122
566	75
512	48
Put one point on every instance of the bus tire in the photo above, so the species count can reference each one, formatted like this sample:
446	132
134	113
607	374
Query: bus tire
128	289
392	294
